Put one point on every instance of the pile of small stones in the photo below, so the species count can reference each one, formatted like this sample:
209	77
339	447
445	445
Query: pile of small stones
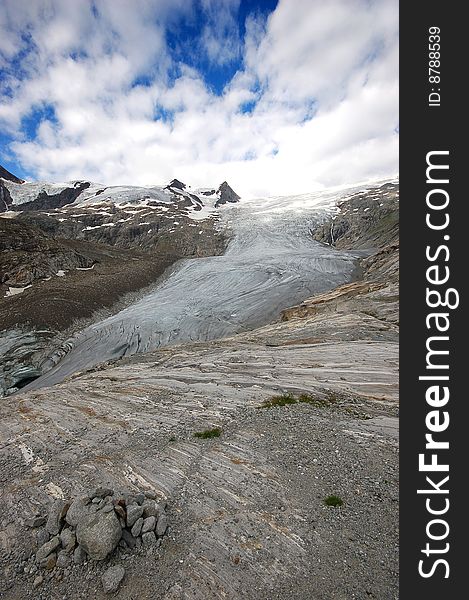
92	527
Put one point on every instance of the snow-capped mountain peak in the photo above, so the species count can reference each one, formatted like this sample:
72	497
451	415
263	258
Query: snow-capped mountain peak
35	196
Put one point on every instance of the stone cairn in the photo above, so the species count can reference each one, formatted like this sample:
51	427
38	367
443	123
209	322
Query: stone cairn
91	527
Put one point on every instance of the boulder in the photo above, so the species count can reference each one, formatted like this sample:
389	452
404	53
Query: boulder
99	534
134	512
68	539
140	498
148	538
112	578
150	508
63	559
47	548
129	538
79	509
162	525
79	556
102	492
148	524
49	562
120	511
35	521
57	512
137	527
42	537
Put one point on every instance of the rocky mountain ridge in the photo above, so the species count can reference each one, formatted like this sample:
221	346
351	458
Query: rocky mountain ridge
167	222
5	174
33	196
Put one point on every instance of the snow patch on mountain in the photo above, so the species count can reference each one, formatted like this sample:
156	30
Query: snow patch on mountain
199	204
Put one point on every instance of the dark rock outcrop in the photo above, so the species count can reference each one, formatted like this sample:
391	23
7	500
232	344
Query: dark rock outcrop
4	174
226	194
368	219
144	229
27	254
44	201
186	199
5	198
175	183
365	220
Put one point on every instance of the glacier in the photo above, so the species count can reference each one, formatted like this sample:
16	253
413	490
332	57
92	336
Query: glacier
271	263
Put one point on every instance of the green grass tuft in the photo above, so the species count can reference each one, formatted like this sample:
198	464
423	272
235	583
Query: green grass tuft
282	400
286	399
333	501
318	402
208	433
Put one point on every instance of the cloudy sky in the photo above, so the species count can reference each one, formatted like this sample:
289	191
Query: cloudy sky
275	97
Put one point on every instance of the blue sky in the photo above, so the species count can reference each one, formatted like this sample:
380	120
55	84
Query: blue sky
276	97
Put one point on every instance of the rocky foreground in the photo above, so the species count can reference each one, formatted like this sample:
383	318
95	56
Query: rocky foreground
275	451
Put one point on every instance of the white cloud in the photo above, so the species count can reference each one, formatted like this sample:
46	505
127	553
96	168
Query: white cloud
322	76
220	36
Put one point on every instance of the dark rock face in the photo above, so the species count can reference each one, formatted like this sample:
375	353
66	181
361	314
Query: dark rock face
144	229
226	194
197	201
45	201
175	183
5	198
186	199
369	219
28	254
4	174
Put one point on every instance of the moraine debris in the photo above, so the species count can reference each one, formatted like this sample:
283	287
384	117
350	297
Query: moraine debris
92	528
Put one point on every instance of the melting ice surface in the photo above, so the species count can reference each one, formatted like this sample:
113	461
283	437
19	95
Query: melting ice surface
271	263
